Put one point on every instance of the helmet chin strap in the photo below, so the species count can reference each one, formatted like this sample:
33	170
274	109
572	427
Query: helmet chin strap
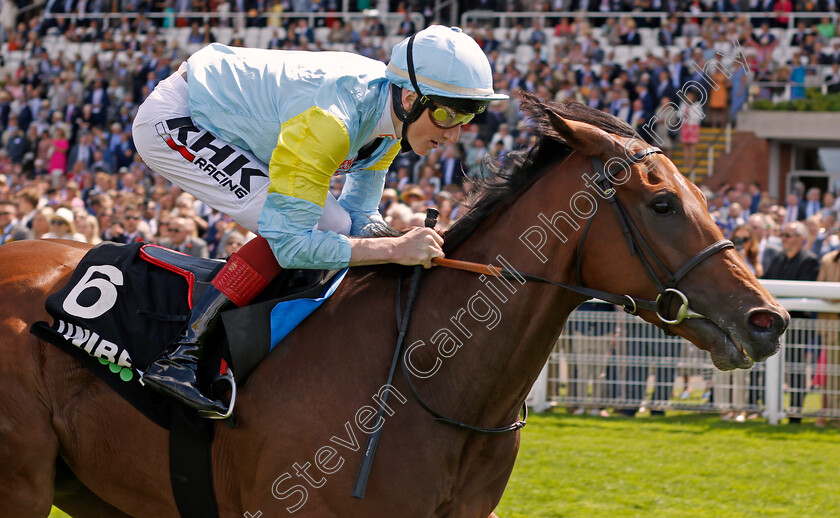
403	115
420	103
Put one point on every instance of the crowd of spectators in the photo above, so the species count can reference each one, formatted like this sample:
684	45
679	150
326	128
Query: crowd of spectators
65	122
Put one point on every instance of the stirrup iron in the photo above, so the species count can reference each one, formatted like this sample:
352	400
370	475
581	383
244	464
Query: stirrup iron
226	377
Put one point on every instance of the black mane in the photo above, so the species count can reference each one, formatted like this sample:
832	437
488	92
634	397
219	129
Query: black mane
520	168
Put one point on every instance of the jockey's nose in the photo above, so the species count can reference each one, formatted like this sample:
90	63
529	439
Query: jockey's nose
452	134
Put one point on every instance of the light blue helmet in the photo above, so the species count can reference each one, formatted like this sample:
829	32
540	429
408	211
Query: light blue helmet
447	63
444	67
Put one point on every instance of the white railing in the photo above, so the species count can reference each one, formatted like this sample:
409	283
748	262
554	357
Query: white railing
606	359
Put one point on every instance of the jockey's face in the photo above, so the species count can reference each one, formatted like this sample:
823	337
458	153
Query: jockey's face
422	134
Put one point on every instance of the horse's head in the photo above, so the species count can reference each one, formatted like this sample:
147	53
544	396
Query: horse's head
666	243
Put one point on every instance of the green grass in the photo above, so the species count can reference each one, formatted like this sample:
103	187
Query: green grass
689	465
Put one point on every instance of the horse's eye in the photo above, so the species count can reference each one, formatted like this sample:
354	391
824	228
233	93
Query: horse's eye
661	207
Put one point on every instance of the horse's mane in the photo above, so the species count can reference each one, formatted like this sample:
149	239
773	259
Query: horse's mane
519	169
508	178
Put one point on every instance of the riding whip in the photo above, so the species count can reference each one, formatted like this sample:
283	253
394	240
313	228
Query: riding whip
362	475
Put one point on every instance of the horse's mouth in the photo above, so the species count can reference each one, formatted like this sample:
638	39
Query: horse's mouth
727	349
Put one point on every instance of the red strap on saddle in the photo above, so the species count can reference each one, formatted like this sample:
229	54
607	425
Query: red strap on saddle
247	272
239	281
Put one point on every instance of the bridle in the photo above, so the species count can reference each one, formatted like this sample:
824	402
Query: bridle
638	246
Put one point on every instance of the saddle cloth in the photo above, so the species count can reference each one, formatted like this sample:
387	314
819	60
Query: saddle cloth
125	303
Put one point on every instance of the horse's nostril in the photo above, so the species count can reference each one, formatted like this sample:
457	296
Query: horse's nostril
762	319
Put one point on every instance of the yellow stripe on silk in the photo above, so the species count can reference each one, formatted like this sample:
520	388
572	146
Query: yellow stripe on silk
386	161
309	150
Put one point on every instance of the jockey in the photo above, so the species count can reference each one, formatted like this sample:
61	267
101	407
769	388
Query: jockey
258	134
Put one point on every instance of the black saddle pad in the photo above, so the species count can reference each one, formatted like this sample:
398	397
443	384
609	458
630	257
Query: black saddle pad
116	316
119	312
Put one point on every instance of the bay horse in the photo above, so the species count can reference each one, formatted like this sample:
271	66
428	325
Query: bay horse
476	344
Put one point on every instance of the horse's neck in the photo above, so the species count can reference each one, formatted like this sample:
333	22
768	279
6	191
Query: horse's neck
504	330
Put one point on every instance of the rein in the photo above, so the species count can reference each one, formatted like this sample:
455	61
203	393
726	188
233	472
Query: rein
637	244
632	305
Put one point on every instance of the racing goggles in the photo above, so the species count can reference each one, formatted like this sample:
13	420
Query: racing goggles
445	117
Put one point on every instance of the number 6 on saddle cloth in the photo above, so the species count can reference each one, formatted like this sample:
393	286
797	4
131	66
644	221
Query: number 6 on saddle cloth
125	303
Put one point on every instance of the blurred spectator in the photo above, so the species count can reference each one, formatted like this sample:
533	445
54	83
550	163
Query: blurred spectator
830	354
182	238
629	35
399	216
813	240
232	244
746	243
41	222
58	153
127	230
794	208
445	205
389	196
719	99
10	230
691	114
764	41
451	168
826	29
733	218
591	337
832	78
495	117
407	27
795	263
63	226
812	202
88	226
504	137
653	348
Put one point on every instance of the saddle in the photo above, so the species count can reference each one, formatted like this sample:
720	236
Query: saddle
125	304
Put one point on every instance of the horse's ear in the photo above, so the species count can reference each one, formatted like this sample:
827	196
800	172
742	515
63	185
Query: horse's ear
586	138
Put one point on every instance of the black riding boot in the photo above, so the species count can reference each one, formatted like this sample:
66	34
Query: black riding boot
174	374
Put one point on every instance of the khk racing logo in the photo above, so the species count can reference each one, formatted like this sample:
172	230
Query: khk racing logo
189	146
